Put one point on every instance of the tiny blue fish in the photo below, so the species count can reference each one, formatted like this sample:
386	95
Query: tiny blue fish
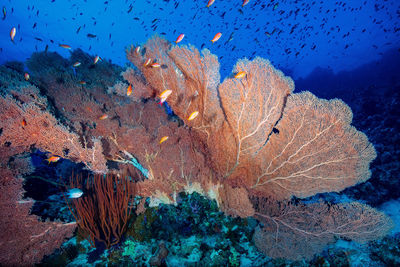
74	193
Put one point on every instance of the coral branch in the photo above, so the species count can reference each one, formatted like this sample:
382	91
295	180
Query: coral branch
315	151
299	231
252	106
24	240
27	124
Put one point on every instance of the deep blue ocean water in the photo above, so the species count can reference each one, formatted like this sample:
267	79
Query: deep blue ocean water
335	49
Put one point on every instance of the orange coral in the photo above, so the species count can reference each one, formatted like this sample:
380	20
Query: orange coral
315	151
252	137
299	231
267	139
24	238
263	140
44	131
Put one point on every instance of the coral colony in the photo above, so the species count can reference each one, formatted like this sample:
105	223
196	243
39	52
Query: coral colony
249	143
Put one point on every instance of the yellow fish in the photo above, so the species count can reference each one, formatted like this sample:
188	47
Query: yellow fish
65	46
163	139
180	37
193	115
210	2
216	37
103	117
240	74
53	159
147	62
129	90
96	59
12	33
137	49
164	95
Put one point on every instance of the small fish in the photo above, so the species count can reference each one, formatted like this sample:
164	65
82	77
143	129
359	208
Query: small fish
23	123
230	37
155	65
245	2
129	90
163	139
53	159
240	74
77	64
26	76
193	115
4	13
12	33
74	193
103	117
180	37
89	35
210	2
147	62
130	8
65	46
137	49
216	37
96	59
164	95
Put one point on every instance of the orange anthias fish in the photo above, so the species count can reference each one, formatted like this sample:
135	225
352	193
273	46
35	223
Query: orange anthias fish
155	65
164	95
147	62
216	37
129	90
163	139
96	59
82	82
53	159
210	2
12	33
245	2
26	76
180	37
193	115
137	49
77	64
240	74
65	46
23	123
103	117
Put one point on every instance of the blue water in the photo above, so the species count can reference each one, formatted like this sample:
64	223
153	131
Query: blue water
296	36
334	49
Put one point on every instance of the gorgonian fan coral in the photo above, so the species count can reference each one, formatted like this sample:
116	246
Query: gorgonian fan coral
252	146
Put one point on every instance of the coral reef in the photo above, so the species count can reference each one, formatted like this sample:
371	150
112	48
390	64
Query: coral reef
259	136
24	240
253	145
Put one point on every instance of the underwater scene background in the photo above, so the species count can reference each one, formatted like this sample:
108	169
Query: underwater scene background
199	133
